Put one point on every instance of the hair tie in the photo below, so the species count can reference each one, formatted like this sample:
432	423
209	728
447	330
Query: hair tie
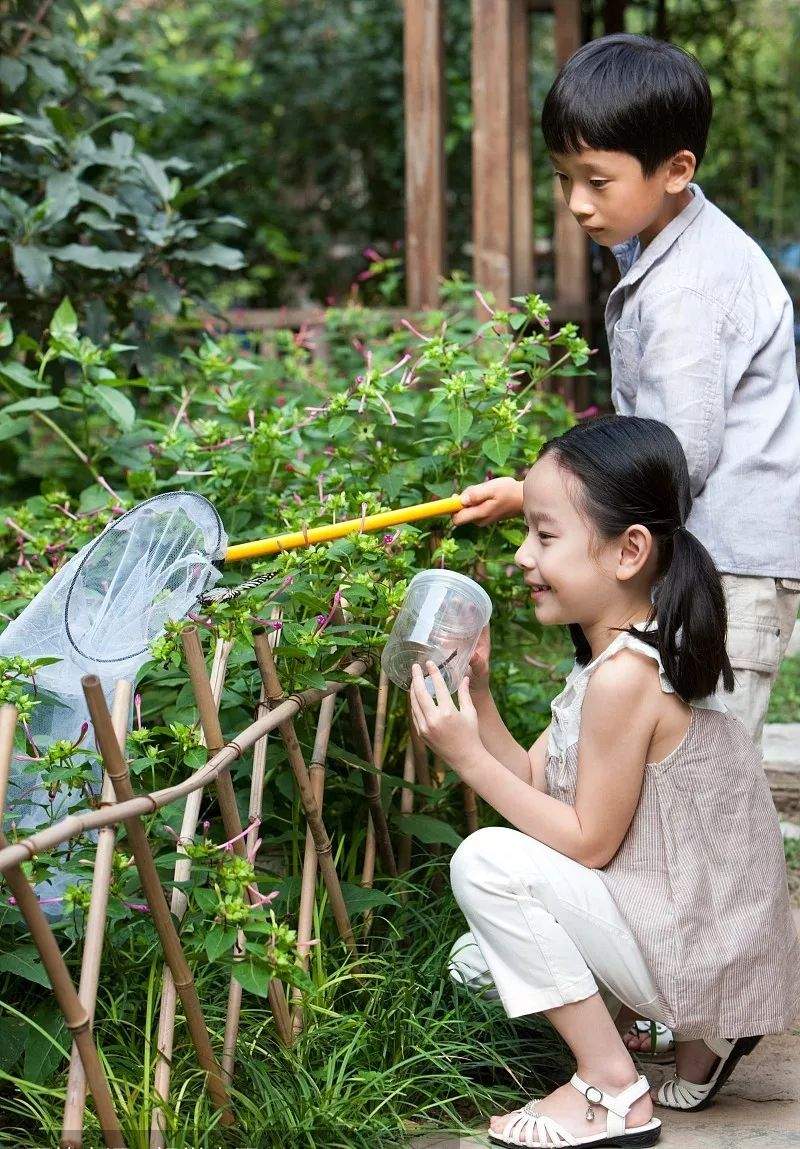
679	528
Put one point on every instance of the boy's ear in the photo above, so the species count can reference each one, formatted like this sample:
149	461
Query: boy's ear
681	169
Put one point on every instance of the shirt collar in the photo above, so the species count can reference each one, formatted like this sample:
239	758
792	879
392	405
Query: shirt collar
633	263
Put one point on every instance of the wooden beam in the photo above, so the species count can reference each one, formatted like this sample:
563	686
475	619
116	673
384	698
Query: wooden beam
424	86
522	268
492	227
572	250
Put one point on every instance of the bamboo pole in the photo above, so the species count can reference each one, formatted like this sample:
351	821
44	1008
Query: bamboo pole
406	807
371	782
75	1013
8	722
368	870
209	721
234	1006
470	807
75	824
178	903
322	843
308	886
75	1101
117	769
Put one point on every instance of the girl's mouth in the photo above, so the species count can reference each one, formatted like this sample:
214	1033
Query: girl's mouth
538	590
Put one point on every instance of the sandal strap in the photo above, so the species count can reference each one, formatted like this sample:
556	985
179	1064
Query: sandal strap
618	1105
525	1124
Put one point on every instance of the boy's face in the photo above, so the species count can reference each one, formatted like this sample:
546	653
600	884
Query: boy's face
612	199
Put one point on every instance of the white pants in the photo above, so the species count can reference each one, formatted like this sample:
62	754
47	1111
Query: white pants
761	617
544	930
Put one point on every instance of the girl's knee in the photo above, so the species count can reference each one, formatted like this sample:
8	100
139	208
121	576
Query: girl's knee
484	852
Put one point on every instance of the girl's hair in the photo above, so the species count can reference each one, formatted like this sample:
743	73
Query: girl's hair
633	470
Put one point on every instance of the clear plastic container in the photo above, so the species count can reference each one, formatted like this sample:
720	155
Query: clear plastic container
441	619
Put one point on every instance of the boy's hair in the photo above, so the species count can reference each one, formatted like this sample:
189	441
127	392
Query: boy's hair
625	93
633	470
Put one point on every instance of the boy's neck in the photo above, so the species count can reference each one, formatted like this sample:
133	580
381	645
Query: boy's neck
673	206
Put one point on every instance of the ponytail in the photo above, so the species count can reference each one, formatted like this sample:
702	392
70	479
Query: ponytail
689	609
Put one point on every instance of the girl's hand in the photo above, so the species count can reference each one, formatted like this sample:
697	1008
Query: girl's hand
479	663
489	502
450	732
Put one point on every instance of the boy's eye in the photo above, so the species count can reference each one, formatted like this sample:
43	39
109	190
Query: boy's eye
542	535
598	183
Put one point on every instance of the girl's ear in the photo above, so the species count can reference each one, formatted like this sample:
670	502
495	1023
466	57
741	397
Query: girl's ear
635	549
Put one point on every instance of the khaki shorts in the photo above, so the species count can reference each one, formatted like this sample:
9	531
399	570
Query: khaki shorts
761	616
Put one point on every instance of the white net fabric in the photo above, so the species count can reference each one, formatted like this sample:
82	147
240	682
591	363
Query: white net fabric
99	614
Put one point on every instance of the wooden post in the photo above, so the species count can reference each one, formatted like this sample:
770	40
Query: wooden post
423	70
492	228
571	245
522	269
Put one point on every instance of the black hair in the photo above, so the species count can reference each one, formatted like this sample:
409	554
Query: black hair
633	470
625	93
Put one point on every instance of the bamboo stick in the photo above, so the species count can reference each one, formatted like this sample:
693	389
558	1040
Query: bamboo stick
371	782
322	843
75	1013
470	807
406	807
308	885
209	721
234	1006
178	903
75	824
117	769
368	870
75	1101
8	722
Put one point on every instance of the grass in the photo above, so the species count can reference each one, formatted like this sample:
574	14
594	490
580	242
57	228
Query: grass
784	705
405	1053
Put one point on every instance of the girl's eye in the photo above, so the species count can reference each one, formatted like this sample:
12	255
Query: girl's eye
562	176
598	183
542	535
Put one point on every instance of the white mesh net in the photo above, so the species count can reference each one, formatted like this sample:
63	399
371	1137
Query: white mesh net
99	614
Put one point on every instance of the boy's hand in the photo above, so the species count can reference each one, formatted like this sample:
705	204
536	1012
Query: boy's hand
451	733
489	502
479	663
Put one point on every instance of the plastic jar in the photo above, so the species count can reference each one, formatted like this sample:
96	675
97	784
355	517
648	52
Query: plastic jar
441	619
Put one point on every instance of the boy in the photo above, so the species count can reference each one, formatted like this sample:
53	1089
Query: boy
700	330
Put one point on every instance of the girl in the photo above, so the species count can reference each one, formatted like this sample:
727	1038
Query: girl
647	859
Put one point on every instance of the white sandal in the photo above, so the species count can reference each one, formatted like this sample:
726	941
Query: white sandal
678	1093
662	1049
525	1124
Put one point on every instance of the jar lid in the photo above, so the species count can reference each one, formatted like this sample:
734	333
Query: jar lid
442	577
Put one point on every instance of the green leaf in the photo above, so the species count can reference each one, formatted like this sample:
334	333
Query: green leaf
427	829
12	73
460	420
96	259
156	176
37	403
253	975
34	265
24	961
10	428
213	255
21	375
13	1036
8	121
117	406
64	321
6	331
359	898
219	940
497	448
43	1050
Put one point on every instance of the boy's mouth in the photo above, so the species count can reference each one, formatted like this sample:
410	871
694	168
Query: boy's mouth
538	588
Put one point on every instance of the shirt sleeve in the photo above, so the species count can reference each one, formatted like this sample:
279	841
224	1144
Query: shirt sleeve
686	374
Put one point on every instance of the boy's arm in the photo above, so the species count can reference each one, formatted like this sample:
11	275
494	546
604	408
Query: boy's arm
692	357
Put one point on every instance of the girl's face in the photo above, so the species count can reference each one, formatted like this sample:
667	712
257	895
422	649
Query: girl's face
573	577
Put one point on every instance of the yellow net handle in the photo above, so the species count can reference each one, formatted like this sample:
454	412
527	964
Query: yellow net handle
325	534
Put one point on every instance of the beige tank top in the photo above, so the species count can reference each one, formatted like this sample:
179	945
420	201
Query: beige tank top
700	875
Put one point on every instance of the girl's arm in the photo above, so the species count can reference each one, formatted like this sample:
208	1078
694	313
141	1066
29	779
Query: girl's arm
617	723
528	765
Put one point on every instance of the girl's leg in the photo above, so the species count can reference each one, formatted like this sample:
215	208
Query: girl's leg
543	922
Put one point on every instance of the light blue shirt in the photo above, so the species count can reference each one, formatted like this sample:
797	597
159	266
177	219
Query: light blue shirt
701	335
